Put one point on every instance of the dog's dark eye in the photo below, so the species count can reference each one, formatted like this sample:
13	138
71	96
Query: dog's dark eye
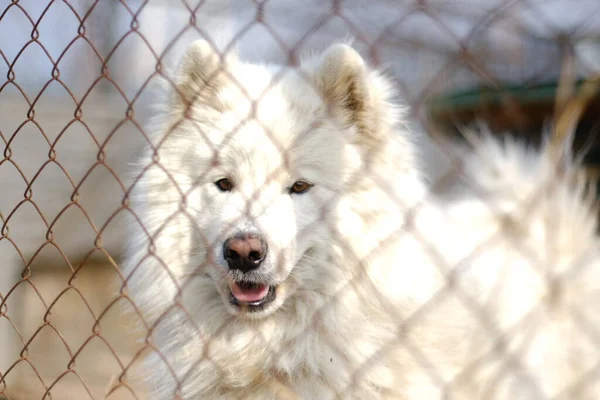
300	187
224	185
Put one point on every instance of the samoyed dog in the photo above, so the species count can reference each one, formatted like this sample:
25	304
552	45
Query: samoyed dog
284	245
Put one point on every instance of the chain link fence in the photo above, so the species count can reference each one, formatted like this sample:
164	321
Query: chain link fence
79	82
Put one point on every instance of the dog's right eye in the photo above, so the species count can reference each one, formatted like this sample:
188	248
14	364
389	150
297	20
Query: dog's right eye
300	187
224	185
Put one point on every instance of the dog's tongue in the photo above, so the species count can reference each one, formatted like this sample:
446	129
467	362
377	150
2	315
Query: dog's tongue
248	293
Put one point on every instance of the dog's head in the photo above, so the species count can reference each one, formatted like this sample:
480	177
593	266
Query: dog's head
262	158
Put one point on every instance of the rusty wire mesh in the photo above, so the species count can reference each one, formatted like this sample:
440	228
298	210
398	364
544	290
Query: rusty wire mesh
76	89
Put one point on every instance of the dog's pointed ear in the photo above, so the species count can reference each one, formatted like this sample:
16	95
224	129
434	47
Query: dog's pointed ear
352	89
201	74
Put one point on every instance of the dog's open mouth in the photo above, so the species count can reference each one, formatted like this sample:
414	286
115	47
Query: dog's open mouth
251	295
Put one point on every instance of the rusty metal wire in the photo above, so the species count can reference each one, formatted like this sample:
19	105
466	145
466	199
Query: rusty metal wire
77	81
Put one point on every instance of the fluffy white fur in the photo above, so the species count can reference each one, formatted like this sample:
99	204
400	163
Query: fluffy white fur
384	291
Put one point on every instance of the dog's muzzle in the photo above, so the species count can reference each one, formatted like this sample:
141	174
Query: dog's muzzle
245	253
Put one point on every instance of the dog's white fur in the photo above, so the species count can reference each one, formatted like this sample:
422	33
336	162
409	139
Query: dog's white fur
384	290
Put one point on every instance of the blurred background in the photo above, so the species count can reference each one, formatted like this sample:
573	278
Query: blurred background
77	84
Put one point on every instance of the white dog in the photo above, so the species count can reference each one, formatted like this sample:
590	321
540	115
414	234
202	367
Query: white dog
285	246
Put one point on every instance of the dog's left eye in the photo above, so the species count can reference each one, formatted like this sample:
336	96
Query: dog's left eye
300	187
224	185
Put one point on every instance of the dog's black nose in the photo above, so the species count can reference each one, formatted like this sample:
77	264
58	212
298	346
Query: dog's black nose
245	252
